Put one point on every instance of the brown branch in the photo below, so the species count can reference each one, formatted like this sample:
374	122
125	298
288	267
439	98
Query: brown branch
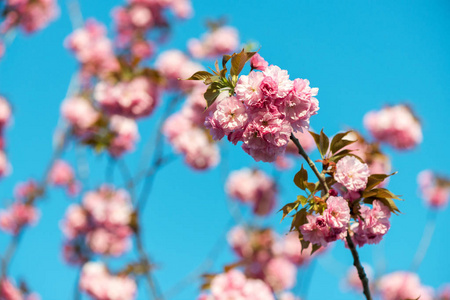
351	245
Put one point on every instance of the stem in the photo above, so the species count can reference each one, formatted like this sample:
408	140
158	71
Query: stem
359	267
351	245
311	164
425	241
144	258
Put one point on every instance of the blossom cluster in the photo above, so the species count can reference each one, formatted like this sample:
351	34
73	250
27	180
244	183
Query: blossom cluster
5	116
267	256
138	18
21	211
62	175
235	285
435	190
331	218
394	125
186	133
262	111
100	284
101	223
30	15
120	134
8	291
174	65
93	50
403	285
219	41
253	187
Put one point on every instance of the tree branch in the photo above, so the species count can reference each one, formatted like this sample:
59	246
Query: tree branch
351	245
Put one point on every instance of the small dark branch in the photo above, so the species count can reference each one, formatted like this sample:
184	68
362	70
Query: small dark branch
311	164
9	253
351	245
359	267
148	276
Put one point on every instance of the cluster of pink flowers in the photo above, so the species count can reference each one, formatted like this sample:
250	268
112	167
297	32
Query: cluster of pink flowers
18	215
434	190
253	187
5	116
100	284
266	109
378	162
175	65
30	15
372	225
351	176
8	291
102	222
220	41
93	49
83	117
234	285
62	174
352	173
133	99
329	227
394	125
403	285
185	132
134	21
267	256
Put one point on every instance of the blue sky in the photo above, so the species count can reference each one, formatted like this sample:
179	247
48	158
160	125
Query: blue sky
361	54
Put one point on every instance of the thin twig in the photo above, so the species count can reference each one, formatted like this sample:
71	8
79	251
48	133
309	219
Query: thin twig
425	241
351	245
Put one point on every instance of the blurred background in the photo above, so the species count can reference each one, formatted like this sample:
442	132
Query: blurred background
361	55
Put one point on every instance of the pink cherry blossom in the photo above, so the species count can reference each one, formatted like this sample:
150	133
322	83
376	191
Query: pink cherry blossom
315	231
8	291
134	99
2	49
257	62
93	49
373	225
287	296
234	285
18	215
126	135
30	15
5	112
280	273
61	173
403	285
337	213
5	167
435	192
75	222
352	173
394	125
175	65
26	190
253	187
96	281
80	113
222	40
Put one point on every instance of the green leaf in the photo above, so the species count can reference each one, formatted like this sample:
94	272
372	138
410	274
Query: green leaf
338	142
299	219
301	178
315	247
304	244
200	75
238	61
376	179
311	187
212	93
225	59
288	208
302	199
322	142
